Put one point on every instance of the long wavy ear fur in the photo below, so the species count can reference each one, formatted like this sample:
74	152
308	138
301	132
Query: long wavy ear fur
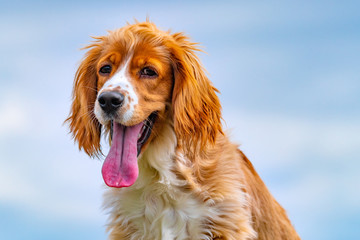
196	107
84	127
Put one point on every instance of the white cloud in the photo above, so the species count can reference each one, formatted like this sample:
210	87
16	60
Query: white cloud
282	137
41	169
60	187
13	115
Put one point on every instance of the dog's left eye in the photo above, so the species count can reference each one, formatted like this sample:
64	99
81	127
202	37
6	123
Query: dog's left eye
148	72
104	70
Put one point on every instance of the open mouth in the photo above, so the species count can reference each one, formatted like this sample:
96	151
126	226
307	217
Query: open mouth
145	131
120	168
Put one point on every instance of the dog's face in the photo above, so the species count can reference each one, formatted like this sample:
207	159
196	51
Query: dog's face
129	83
132	83
134	86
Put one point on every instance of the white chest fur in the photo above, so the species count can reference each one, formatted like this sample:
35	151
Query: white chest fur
155	207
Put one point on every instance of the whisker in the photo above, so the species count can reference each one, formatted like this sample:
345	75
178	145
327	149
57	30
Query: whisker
91	88
90	113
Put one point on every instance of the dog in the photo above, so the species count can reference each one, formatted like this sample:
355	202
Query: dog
171	170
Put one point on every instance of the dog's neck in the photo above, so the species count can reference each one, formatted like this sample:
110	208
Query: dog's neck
157	162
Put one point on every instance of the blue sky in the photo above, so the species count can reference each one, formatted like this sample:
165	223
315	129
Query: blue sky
289	78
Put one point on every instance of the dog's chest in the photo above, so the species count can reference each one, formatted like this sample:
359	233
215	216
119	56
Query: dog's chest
161	211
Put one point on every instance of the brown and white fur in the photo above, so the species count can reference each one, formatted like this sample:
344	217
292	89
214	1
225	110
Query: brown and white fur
193	183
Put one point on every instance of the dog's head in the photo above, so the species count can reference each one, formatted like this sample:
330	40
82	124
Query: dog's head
129	83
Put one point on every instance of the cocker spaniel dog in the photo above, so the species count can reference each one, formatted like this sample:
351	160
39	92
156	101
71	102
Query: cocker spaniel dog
171	170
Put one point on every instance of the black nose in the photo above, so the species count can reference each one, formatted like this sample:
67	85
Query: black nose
110	101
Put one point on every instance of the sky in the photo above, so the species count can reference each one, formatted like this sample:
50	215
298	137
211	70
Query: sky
289	78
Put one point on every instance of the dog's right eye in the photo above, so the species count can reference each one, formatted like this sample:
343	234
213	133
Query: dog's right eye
104	70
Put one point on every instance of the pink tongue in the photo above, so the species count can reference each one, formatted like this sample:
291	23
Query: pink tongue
120	168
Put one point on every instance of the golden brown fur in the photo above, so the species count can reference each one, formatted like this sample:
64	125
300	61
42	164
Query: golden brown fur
217	175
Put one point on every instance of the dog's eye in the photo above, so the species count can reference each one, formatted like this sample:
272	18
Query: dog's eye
104	70
148	72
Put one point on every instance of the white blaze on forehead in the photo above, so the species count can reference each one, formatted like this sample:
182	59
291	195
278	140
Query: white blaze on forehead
121	81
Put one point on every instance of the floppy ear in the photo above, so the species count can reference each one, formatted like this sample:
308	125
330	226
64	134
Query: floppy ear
196	107
84	127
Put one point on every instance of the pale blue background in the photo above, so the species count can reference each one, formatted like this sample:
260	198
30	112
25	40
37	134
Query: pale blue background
289	76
